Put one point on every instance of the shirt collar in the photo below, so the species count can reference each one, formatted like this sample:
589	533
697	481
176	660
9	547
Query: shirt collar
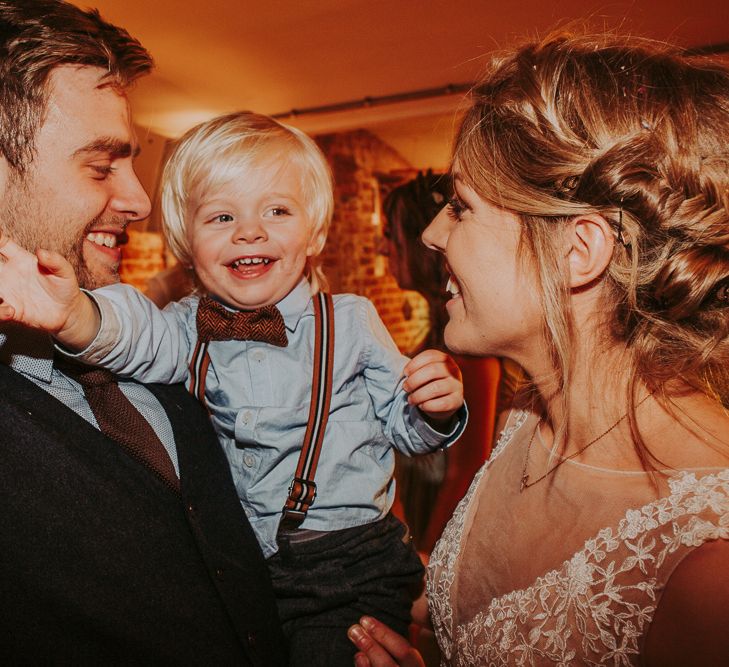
295	303
27	351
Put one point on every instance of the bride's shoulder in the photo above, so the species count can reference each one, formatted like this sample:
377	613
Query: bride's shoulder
510	424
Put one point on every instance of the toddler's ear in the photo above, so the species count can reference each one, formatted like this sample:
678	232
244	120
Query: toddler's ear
590	243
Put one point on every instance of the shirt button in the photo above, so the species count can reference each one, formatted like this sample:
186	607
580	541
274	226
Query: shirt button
249	460
258	355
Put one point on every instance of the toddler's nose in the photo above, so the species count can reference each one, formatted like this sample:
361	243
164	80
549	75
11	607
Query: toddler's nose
250	231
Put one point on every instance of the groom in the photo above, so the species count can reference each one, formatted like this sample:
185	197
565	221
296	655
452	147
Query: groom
118	544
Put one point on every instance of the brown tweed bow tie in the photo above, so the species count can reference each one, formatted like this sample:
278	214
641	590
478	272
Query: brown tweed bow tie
215	322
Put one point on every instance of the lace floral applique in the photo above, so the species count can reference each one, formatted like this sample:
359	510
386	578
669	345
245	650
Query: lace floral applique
597	607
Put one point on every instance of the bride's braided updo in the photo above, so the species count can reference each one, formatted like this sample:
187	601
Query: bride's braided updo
638	133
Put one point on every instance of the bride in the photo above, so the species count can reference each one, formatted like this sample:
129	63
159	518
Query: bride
588	240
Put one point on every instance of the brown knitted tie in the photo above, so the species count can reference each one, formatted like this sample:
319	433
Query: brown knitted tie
119	420
215	322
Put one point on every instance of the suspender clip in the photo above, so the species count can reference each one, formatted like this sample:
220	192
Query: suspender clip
302	491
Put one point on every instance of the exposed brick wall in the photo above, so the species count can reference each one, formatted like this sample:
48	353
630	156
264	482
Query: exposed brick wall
359	161
143	257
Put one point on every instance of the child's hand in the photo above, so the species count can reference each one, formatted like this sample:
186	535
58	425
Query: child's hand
435	386
41	291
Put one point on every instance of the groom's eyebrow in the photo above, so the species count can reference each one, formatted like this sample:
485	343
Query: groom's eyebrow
116	148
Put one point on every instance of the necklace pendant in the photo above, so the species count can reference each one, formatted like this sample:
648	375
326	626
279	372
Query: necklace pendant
524	482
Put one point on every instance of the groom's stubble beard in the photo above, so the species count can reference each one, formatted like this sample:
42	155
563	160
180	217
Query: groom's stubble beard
31	223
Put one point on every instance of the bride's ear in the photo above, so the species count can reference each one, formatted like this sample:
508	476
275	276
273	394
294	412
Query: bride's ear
590	244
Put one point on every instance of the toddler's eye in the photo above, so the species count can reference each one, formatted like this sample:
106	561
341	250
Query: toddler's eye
278	211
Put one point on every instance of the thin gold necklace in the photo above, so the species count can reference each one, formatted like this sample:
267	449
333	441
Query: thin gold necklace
525	483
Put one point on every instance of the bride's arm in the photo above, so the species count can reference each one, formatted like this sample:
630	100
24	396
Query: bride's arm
691	624
419	611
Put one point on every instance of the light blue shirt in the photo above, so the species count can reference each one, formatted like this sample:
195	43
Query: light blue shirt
259	394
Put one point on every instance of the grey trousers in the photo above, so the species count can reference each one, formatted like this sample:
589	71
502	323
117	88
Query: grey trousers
326	584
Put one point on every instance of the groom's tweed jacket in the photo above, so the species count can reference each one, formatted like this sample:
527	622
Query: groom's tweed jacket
101	563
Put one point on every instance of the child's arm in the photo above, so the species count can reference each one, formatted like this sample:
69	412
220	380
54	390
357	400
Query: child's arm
119	329
137	339
434	386
40	291
419	402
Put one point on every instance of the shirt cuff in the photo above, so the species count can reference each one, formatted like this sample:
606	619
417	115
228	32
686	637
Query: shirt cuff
436	438
106	336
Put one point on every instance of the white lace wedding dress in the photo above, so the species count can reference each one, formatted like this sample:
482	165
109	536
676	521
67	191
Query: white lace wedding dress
569	571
